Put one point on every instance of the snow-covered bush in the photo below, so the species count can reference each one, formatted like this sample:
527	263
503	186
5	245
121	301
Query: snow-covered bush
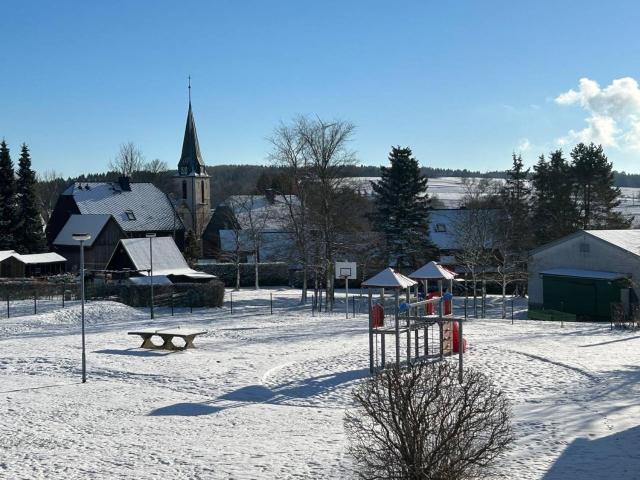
422	424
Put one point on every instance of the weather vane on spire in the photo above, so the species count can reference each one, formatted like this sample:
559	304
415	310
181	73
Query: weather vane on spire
189	88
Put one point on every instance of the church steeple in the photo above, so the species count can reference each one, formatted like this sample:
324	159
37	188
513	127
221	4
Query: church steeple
191	159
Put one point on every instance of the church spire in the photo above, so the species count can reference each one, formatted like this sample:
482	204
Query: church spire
191	159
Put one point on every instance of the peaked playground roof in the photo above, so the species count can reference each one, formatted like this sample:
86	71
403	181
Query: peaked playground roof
389	279
432	271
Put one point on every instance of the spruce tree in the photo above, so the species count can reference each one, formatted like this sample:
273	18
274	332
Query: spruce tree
596	195
401	213
8	212
30	235
515	199
555	212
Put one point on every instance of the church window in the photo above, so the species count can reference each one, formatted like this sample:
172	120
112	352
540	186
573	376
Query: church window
202	191
184	190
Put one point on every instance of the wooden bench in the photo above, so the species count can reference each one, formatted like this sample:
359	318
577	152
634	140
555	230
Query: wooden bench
167	335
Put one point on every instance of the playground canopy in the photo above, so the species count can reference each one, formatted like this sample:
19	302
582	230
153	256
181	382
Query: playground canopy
432	271
389	279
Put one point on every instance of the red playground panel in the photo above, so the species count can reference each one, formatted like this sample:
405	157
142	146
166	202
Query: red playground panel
456	335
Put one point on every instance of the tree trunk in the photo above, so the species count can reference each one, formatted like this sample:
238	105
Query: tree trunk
304	284
255	262
237	275
504	297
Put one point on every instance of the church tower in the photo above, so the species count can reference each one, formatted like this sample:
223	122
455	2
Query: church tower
192	184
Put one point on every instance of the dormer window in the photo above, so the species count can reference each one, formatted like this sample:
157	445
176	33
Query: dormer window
130	215
183	170
441	227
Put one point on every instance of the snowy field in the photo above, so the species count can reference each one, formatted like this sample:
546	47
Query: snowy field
263	395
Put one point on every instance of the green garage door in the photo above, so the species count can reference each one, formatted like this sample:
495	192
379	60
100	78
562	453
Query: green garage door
587	297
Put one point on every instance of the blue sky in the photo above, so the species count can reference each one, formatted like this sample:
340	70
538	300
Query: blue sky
462	83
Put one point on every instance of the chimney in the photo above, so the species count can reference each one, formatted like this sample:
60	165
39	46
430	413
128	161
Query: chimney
125	184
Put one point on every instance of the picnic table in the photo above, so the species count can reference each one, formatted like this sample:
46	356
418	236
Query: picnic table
167	335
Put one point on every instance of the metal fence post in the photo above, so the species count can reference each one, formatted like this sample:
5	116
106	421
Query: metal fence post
8	315
172	304
62	295
231	302
271	301
35	301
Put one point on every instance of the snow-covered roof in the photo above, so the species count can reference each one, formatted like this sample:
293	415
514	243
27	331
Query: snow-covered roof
91	224
143	208
626	239
4	254
432	271
574	272
272	213
167	259
32	258
389	279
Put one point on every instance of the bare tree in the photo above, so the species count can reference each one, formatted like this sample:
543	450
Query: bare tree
49	187
287	153
252	212
422	424
155	166
128	160
325	148
474	231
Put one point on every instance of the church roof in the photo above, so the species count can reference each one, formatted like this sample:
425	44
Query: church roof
191	162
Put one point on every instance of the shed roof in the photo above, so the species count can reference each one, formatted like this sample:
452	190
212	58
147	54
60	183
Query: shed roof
4	254
577	273
32	258
143	208
167	259
389	279
432	271
91	224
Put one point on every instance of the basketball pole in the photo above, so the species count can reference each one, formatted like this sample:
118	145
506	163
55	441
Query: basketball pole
346	299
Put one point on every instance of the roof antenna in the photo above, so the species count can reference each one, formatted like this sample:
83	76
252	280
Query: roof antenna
189	89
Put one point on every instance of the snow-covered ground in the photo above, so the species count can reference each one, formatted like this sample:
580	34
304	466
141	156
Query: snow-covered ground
263	396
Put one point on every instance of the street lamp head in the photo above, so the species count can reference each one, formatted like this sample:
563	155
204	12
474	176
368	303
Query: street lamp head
150	235
80	237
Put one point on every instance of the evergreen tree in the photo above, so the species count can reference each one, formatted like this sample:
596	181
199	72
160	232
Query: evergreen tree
8	209
401	212
30	235
596	195
191	248
554	208
515	210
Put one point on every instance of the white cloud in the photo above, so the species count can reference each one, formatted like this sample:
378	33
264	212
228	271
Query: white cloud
613	113
524	145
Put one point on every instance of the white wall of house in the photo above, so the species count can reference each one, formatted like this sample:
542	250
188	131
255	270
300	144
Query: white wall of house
583	252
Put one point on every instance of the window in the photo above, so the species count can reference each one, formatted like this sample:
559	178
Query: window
130	215
584	247
441	227
184	189
202	191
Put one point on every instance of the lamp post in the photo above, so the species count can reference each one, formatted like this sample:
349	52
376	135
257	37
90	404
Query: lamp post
151	236
82	237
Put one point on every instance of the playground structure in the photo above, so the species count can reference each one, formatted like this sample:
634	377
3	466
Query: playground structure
429	335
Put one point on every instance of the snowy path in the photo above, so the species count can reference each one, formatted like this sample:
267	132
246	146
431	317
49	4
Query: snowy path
263	396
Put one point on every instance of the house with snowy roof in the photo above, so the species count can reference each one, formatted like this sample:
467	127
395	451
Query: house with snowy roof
241	217
112	210
585	273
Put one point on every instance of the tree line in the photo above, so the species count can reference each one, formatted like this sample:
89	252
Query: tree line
21	227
